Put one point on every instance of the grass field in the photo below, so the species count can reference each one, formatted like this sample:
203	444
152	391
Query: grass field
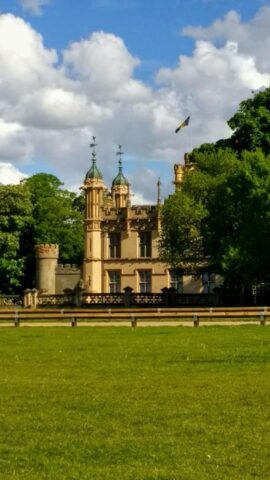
144	404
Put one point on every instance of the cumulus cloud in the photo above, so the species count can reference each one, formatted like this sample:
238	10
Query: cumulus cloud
10	174
252	37
51	103
34	7
103	65
26	65
212	82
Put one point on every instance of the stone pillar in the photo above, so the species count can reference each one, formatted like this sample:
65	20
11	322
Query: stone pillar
128	297
34	298
46	258
27	298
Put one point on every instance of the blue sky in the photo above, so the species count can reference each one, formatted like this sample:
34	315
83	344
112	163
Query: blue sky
111	68
151	29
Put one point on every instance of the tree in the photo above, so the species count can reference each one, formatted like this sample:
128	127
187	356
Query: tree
251	124
233	195
15	222
250	128
181	242
231	184
57	218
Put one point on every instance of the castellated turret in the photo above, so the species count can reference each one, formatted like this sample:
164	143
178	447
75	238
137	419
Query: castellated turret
94	193
46	259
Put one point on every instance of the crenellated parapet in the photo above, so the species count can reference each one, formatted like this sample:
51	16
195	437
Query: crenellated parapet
47	250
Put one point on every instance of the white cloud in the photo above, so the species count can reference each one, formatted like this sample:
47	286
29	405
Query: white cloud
9	174
34	6
15	142
26	65
52	103
102	63
252	38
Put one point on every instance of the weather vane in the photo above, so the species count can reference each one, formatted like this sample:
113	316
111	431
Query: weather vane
120	153
93	145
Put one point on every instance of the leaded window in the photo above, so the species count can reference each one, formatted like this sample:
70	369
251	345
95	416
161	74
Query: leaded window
114	281
145	281
145	245
115	245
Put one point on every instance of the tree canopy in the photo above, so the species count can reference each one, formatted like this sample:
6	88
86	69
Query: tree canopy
15	222
222	212
57	216
38	210
250	127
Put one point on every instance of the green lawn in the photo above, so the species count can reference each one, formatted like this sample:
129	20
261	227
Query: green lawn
144	404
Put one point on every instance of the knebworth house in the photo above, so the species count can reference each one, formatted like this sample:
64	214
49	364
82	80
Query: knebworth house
121	244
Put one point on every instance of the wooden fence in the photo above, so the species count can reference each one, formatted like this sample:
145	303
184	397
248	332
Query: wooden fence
132	317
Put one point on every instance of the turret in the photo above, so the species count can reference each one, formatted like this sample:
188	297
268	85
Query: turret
46	260
94	192
178	175
120	185
181	170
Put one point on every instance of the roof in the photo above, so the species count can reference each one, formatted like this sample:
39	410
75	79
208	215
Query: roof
120	179
93	172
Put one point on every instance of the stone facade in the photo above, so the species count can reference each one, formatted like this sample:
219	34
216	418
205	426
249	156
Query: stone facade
121	244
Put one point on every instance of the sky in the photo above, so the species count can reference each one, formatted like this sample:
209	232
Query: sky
127	72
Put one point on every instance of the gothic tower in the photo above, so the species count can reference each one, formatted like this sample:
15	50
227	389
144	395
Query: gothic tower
94	192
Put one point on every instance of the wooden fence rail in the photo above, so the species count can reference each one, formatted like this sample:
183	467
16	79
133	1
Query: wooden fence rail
143	317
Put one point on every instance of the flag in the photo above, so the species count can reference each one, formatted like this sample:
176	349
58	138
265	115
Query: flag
183	124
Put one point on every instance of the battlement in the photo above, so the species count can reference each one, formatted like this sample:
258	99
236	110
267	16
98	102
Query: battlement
140	211
67	267
143	209
47	250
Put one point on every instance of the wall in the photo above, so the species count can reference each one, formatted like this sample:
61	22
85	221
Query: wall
67	277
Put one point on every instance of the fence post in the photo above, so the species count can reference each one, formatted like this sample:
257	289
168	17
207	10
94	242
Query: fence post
262	319
195	320
78	294
73	322
172	296
165	296
128	297
16	319
133	321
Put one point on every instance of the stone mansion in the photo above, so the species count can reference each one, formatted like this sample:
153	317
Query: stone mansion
121	244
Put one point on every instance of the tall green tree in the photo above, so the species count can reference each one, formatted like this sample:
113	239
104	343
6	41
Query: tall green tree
15	224
57	215
57	218
233	194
